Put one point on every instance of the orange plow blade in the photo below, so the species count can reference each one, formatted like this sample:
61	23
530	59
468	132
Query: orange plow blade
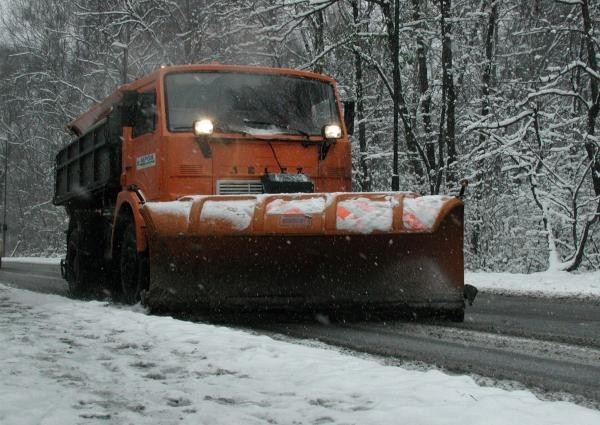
306	251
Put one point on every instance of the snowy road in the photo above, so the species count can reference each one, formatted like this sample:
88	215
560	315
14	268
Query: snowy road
550	345
73	362
544	366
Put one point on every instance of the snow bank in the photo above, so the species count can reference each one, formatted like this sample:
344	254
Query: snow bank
67	362
547	284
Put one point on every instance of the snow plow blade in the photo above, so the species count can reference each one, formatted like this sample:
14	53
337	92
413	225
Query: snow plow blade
306	252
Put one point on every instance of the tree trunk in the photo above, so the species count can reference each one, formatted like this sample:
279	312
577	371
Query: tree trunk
319	40
365	178
424	93
590	147
400	108
448	82
486	79
125	64
187	44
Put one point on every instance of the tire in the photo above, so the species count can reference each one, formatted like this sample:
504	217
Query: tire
84	271
457	315
75	268
133	267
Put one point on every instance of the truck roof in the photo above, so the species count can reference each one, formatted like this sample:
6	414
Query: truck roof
100	110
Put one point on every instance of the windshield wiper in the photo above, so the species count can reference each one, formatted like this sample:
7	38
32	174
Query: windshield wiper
218	127
225	128
282	126
259	122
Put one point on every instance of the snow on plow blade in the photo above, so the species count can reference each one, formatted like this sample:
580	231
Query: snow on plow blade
306	251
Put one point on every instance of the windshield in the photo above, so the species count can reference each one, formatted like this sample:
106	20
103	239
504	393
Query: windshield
250	103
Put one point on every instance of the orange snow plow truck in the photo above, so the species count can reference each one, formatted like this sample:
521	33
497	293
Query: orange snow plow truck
228	188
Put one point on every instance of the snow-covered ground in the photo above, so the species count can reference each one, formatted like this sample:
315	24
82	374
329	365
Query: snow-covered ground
70	362
547	284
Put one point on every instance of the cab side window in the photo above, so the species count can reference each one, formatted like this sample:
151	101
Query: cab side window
145	114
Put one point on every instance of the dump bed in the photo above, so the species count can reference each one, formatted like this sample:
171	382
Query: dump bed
91	164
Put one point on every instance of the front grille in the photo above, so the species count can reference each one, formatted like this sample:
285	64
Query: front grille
239	187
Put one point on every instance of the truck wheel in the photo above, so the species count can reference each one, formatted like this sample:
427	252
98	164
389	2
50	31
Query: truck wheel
457	315
74	269
133	267
81	268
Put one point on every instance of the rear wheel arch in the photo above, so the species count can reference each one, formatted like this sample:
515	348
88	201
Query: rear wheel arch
128	209
133	266
130	253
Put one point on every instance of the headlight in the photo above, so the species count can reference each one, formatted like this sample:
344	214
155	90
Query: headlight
203	127
332	131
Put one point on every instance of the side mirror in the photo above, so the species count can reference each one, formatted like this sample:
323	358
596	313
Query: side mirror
349	107
129	108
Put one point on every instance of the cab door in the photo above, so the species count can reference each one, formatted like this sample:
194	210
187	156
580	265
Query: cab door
142	157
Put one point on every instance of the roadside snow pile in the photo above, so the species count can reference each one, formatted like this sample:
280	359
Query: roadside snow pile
68	362
545	284
31	260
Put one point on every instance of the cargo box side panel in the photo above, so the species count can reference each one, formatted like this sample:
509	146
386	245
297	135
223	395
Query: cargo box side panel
90	165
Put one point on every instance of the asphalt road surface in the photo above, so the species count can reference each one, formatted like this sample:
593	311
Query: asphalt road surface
44	278
549	345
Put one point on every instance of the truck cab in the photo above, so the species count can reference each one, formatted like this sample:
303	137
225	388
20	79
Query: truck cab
262	120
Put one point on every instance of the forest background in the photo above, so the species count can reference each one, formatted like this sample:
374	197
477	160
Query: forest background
502	93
